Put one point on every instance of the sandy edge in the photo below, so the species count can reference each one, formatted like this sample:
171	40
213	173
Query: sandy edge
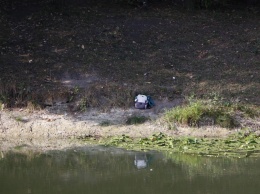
42	130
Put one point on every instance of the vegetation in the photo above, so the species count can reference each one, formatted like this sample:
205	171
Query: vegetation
238	145
218	112
105	123
133	120
1	106
100	54
189	115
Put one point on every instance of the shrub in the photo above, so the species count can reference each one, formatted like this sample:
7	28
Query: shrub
136	120
189	114
194	112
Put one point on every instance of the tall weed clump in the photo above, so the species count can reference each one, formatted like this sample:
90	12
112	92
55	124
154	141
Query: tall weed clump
188	114
195	112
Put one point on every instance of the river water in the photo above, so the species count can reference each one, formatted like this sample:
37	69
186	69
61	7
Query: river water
115	171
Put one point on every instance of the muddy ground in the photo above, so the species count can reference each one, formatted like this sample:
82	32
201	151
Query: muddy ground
85	56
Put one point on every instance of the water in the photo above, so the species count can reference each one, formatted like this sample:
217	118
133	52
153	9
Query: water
115	171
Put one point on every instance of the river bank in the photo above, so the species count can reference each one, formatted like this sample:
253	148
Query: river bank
50	129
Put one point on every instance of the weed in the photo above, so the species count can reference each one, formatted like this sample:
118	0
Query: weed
247	110
214	98
19	147
119	140
225	120
188	115
134	120
238	145
1	106
20	119
159	139
73	93
194	112
105	123
83	104
32	106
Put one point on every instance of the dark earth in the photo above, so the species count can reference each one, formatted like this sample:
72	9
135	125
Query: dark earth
65	60
103	53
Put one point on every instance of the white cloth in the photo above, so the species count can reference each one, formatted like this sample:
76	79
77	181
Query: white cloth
141	98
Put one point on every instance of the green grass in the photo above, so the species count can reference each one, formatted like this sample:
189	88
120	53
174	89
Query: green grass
237	145
1	105
20	119
189	114
134	120
222	113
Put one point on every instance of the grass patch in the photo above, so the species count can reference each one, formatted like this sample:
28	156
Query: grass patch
247	110
135	120
116	141
20	147
32	106
189	114
1	106
105	123
20	119
220	112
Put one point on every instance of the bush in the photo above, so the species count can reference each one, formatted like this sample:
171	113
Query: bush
188	115
195	111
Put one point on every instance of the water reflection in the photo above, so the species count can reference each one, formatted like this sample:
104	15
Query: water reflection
141	160
109	170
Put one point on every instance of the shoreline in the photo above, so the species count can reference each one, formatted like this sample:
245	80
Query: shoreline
43	130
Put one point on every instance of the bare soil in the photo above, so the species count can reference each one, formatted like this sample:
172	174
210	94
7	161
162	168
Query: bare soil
109	52
84	62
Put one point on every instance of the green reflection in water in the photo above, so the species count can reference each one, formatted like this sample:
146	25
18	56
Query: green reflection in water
116	171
